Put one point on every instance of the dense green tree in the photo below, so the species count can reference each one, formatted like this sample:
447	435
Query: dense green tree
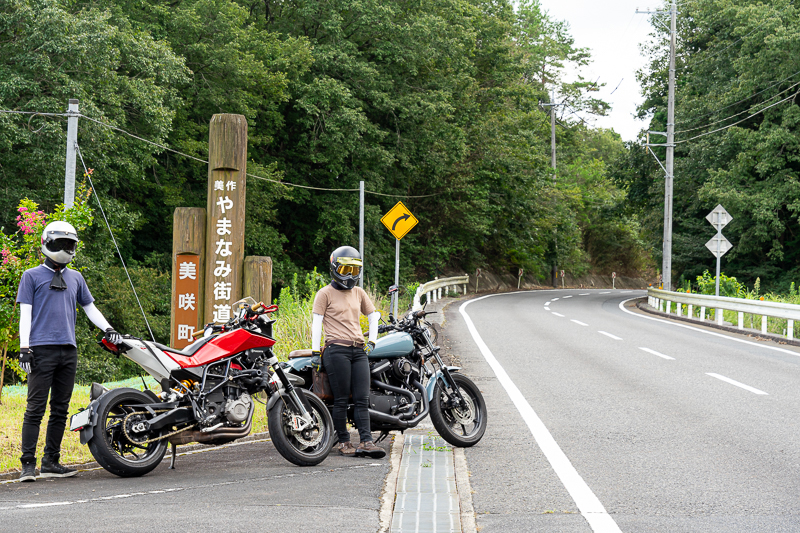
738	72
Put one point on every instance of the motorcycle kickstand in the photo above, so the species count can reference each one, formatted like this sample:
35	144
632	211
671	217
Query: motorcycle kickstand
172	459
382	436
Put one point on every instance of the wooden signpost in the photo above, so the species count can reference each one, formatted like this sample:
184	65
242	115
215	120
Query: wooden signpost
209	270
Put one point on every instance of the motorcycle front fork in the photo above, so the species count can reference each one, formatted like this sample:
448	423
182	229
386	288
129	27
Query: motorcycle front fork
292	393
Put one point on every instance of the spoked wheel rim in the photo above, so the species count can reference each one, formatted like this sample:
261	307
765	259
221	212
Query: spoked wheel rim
464	420
310	440
125	444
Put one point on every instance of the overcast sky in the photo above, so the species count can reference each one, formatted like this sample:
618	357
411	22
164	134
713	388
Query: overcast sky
612	30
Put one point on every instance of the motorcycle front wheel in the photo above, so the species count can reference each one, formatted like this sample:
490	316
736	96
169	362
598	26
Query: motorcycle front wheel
303	446
460	425
115	446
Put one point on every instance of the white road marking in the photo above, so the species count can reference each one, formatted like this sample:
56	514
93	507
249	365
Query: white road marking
547	303
607	292
579	323
607	334
625	292
588	504
565	297
648	350
713	333
546	308
553	299
558	314
584	294
736	383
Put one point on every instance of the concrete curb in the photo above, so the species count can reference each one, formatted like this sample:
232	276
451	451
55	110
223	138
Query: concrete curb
753	333
390	484
464	489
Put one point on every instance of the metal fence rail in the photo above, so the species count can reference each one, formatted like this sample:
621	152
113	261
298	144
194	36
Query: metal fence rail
663	300
433	289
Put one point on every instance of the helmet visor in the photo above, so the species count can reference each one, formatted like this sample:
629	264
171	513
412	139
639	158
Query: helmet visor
352	270
66	245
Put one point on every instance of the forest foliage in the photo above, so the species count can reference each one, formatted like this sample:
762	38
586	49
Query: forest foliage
436	103
737	116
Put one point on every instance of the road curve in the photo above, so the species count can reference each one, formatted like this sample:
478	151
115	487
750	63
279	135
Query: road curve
669	428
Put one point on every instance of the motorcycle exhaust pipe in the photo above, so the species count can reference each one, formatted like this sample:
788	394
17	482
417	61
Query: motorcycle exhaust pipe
402	420
196	435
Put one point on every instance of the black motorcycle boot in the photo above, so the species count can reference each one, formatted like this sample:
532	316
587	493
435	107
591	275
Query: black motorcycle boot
52	468
28	472
369	449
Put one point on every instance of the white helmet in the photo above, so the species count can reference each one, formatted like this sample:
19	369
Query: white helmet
59	242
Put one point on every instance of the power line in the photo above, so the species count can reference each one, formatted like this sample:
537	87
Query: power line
96	197
740	121
739	113
177	152
743	99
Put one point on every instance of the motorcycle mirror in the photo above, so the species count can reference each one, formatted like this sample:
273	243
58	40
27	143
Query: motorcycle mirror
393	289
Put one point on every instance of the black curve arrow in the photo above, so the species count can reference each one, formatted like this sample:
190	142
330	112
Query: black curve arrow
403	217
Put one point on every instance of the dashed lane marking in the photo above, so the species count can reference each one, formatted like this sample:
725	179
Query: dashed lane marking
648	350
565	297
558	314
546	308
579	322
736	383
606	292
584	294
607	334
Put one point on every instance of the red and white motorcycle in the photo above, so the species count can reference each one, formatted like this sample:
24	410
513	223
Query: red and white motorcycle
208	396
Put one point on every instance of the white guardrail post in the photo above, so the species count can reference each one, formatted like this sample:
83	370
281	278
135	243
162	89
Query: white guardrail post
662	300
432	290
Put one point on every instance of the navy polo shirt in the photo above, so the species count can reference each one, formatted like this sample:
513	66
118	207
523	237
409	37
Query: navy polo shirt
53	312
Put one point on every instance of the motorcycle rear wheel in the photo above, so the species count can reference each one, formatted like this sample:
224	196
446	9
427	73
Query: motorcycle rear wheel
113	449
460	426
295	446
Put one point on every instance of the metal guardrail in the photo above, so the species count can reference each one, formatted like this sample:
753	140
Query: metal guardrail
435	288
663	300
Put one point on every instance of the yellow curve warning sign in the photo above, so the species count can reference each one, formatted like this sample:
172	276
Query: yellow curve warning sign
399	220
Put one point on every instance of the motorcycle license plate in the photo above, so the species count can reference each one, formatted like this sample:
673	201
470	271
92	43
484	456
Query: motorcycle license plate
80	420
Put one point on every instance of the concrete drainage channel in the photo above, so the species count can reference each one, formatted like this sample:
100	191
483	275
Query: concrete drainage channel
427	489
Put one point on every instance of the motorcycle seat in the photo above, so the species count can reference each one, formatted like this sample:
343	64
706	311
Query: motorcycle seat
294	354
186	352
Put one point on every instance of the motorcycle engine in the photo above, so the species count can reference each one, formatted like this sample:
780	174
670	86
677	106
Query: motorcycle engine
236	410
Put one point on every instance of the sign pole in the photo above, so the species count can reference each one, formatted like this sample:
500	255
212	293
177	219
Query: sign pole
719	254
396	273
361	231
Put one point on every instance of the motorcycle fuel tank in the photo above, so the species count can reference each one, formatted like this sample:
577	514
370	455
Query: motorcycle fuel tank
221	346
393	345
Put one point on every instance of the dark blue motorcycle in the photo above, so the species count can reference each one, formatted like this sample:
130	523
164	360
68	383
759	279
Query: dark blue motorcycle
409	382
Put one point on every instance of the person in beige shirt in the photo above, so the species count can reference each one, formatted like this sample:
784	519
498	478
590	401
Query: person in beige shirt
337	308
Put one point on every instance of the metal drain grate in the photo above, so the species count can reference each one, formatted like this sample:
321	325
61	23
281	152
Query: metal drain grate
426	501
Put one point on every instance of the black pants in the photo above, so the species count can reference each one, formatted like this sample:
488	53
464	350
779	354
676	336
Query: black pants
54	373
348	371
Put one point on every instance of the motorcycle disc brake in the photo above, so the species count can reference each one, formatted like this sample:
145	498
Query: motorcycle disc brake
465	415
305	436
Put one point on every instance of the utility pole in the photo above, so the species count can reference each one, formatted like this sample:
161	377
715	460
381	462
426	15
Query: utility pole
552	105
72	140
666	262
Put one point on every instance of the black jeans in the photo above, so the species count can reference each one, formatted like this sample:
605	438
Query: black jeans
348	371
54	373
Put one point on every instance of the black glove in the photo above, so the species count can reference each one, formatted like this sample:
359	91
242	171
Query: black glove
316	353
112	336
26	360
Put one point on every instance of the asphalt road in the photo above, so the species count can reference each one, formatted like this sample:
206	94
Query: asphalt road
246	487
645	425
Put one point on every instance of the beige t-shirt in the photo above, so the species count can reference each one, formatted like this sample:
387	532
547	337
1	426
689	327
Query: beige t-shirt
340	312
